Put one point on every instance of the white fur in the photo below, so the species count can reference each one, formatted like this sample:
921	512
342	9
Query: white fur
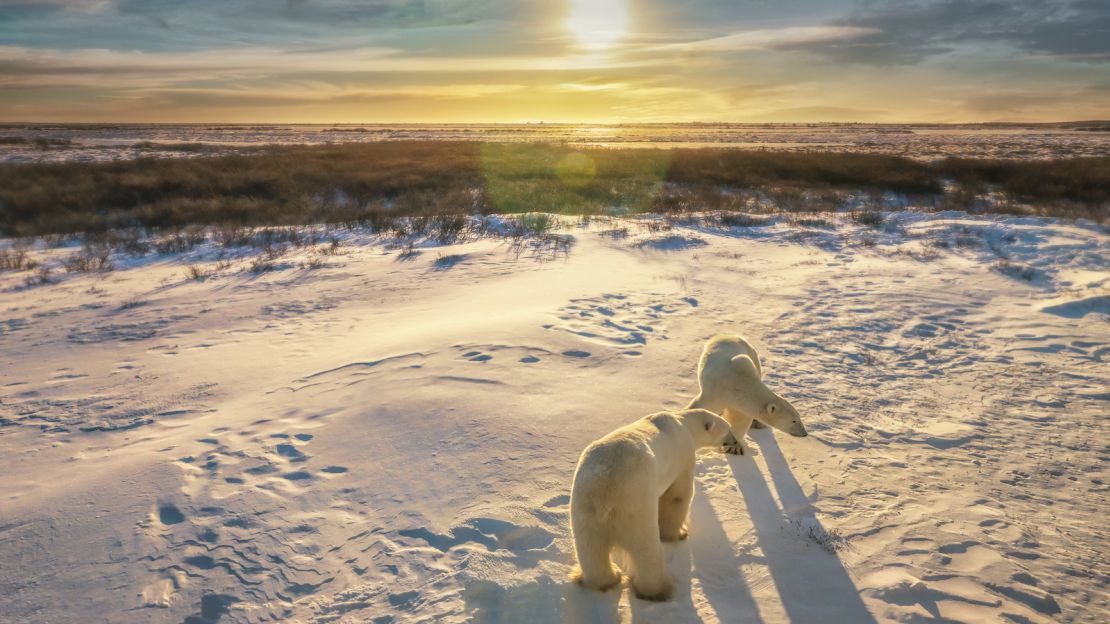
730	380
632	490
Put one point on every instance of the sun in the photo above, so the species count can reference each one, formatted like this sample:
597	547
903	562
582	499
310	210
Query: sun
597	24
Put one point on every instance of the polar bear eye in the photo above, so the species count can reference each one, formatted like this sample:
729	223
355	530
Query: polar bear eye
708	426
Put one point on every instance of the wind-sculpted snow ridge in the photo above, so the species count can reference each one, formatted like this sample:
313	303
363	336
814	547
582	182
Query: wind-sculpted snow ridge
363	432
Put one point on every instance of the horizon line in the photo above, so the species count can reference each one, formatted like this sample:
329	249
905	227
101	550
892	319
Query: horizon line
557	123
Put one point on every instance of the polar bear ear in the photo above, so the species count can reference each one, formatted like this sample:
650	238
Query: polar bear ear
745	366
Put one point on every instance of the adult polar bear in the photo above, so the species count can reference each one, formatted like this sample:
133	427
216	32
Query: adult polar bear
632	490
730	381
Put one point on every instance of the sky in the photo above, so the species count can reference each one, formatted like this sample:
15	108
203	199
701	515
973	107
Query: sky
599	61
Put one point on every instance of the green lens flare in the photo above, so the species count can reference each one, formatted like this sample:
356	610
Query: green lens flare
530	177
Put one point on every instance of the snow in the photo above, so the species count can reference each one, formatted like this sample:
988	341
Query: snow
99	142
390	436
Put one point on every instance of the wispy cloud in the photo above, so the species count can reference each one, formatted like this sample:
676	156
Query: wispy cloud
770	39
21	66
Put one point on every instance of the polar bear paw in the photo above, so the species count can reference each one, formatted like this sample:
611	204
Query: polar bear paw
602	584
737	449
676	536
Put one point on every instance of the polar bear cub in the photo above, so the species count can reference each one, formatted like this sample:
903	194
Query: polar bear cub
730	381
632	491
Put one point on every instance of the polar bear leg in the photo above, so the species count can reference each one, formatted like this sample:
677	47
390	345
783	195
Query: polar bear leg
740	425
650	580
595	568
592	547
674	505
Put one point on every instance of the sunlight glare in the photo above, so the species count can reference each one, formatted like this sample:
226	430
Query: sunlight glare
598	23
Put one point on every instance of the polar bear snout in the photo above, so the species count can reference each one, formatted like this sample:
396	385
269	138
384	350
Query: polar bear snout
797	429
793	422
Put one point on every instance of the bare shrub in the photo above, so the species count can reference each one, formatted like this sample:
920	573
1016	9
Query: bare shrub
16	259
89	260
442	263
180	241
129	241
197	272
737	219
314	262
533	223
869	218
40	277
408	251
267	260
449	228
1017	271
542	247
133	244
655	226
812	222
234	236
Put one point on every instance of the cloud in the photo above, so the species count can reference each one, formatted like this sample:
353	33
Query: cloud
20	66
911	32
514	59
317	93
83	6
769	39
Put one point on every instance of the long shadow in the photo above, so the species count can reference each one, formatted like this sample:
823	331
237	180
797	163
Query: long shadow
716	566
812	583
680	608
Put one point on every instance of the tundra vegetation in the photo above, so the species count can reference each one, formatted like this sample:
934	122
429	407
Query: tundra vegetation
376	183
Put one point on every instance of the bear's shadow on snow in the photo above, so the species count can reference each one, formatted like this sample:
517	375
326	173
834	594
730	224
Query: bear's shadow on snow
812	583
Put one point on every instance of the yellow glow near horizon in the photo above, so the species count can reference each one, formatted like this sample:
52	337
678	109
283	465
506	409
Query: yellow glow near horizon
598	24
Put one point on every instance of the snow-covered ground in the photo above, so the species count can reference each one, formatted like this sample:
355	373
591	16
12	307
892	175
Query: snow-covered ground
97	142
390	436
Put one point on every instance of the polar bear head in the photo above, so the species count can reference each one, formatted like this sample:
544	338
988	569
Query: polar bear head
706	428
741	389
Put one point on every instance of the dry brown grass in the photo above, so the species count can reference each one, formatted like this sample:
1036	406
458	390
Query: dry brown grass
374	183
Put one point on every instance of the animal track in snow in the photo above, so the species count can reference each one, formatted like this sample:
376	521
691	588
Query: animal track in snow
620	320
482	353
219	536
435	563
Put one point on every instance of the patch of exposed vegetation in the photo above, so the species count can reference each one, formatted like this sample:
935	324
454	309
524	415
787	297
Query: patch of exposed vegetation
373	184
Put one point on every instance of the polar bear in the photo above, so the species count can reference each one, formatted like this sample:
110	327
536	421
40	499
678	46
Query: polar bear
730	381
632	491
